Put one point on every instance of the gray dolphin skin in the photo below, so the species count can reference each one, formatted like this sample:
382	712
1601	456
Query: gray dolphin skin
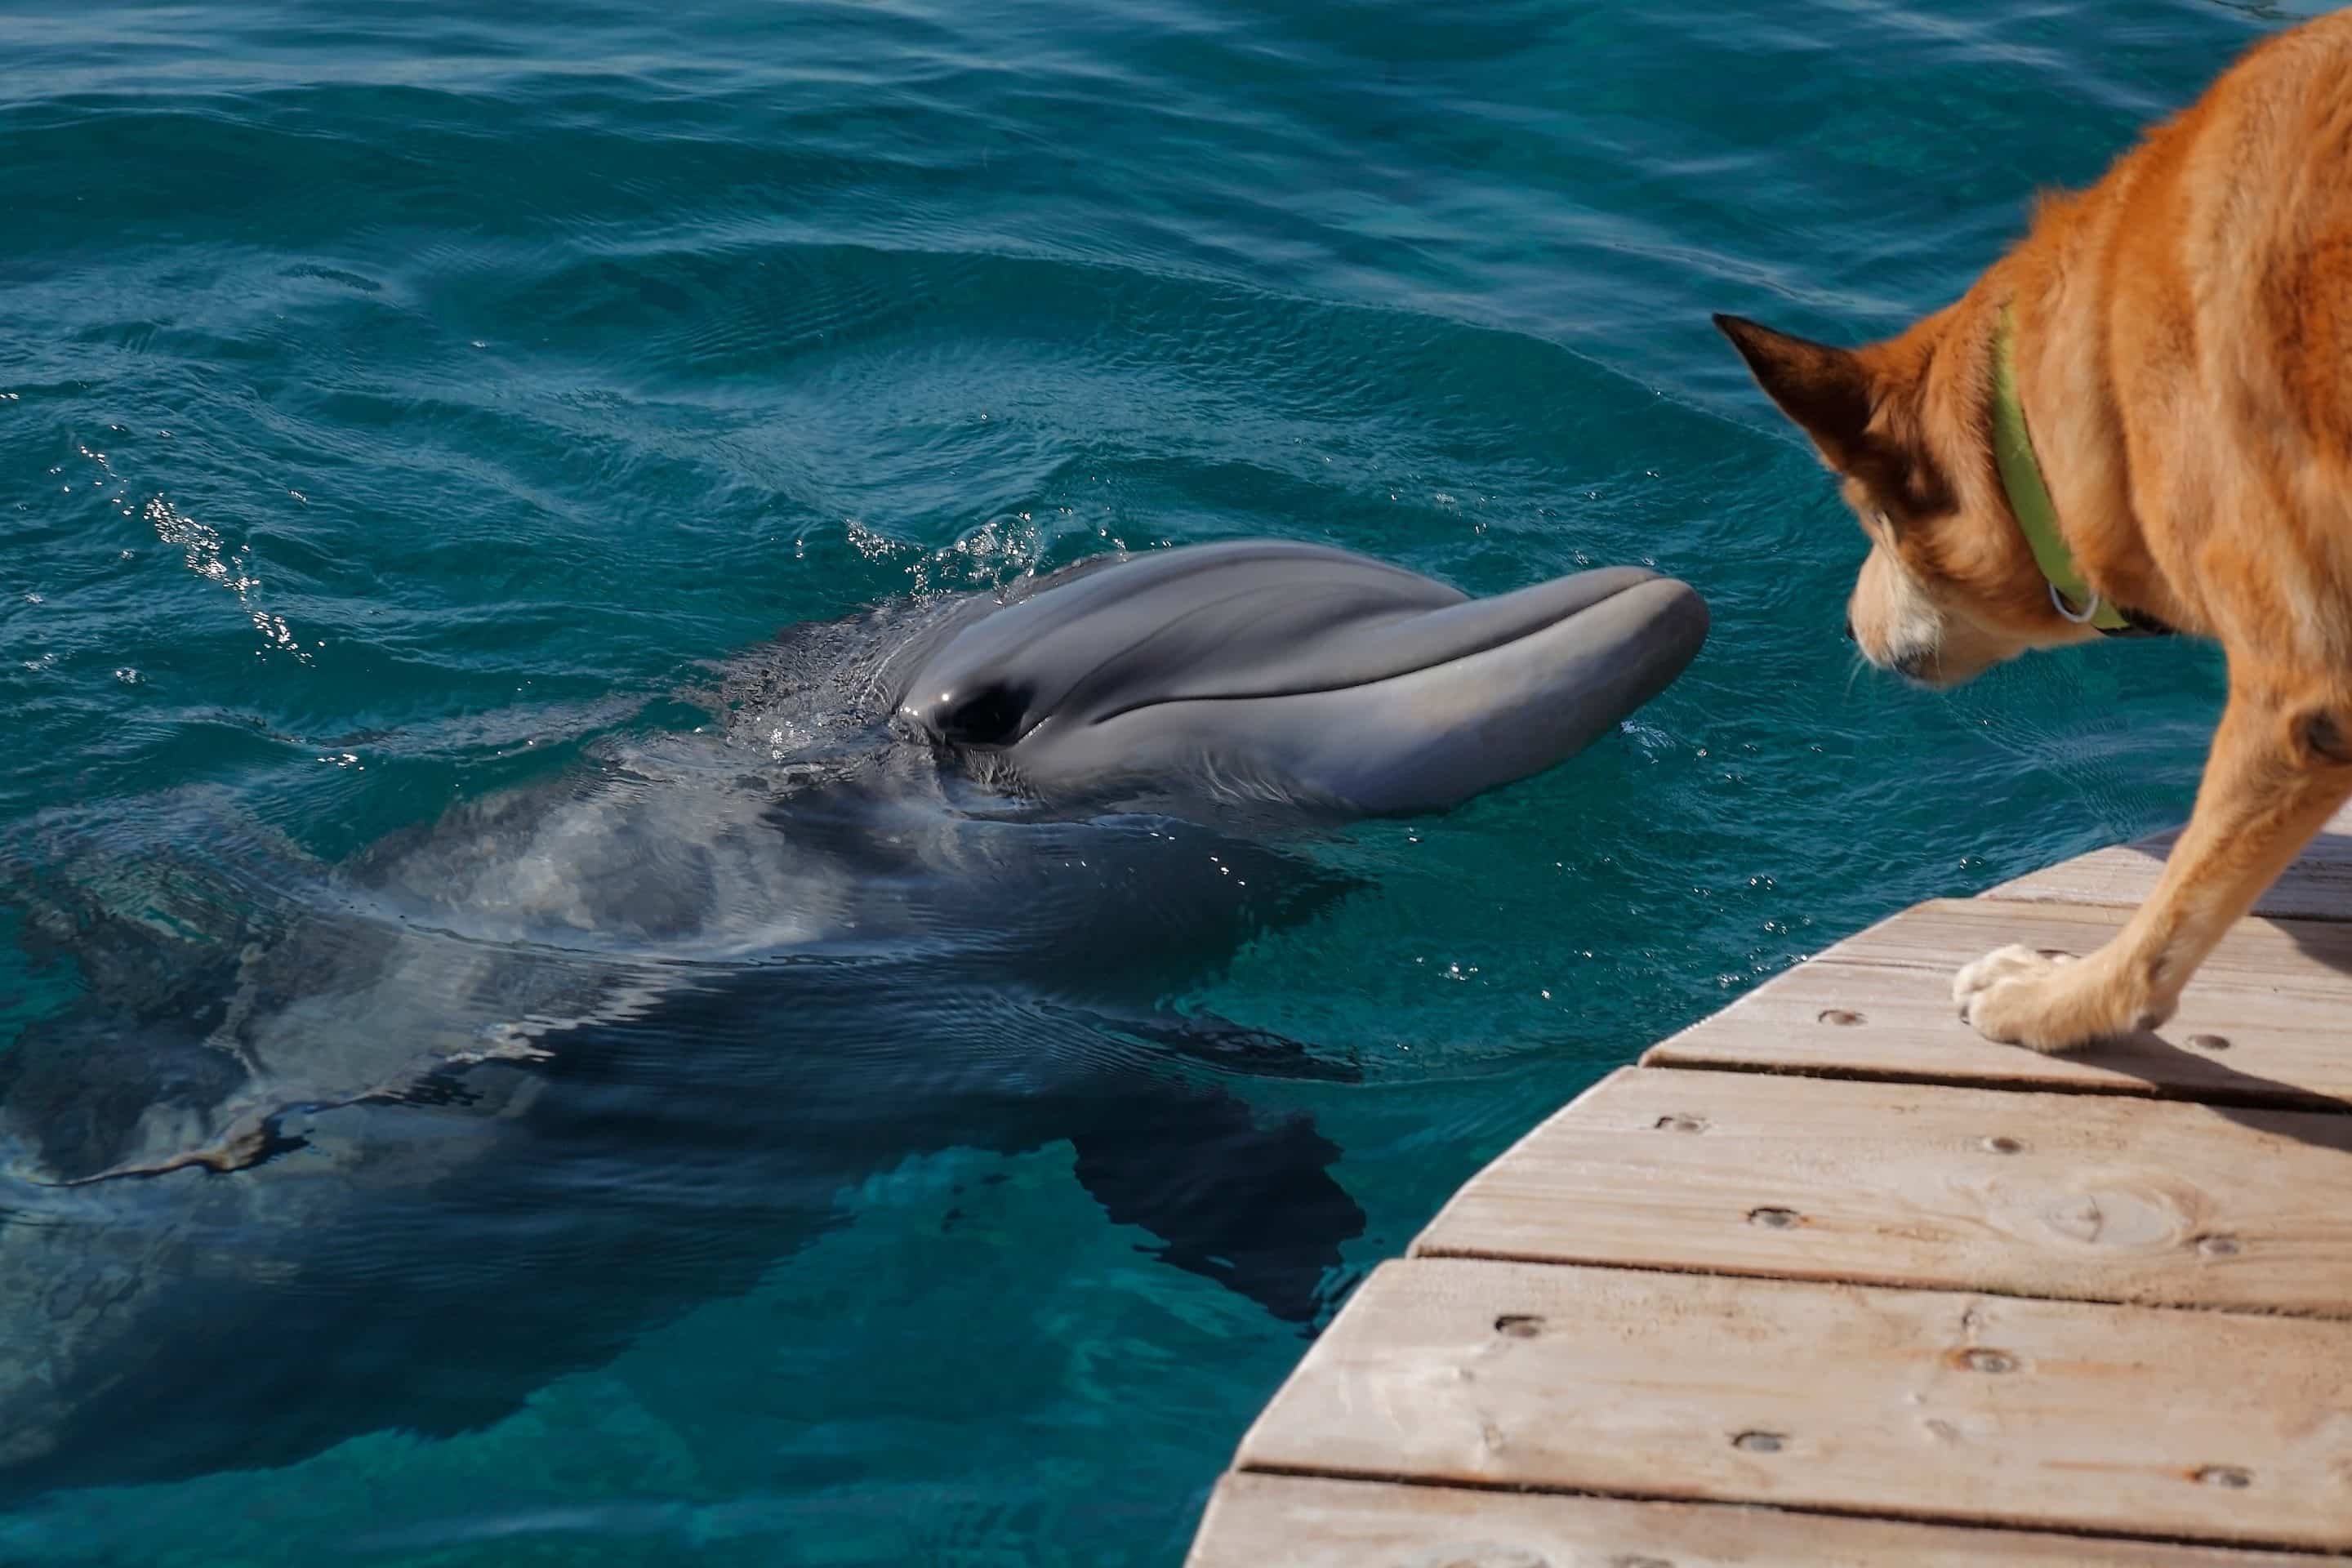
1319	672
426	1125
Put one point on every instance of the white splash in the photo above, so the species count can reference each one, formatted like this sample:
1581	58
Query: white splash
210	559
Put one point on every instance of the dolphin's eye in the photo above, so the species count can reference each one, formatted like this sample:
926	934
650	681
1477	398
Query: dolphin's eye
988	720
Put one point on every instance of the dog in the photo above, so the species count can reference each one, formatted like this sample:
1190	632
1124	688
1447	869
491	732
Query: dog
2138	420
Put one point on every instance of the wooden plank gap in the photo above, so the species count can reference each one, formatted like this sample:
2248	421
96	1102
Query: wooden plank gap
1292	1522
2284	1098
1865	1282
1993	1528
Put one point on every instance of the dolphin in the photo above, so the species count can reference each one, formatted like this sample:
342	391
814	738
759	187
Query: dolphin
314	1146
1323	674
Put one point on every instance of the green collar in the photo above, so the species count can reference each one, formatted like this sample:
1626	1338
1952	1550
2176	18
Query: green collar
2029	498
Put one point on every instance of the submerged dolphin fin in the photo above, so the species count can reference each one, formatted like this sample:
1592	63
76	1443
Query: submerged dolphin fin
1250	1205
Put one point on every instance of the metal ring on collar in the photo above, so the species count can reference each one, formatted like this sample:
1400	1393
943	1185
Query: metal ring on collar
2058	602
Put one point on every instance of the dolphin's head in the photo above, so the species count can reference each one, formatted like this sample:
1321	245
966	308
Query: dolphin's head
1269	667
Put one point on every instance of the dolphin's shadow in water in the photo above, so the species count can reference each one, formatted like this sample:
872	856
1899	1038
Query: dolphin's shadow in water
428	1259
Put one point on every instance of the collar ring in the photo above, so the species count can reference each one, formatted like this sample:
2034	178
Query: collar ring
2058	602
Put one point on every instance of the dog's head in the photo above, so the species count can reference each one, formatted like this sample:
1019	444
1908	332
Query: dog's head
1950	587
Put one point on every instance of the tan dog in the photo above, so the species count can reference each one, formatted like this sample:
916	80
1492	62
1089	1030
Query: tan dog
2142	415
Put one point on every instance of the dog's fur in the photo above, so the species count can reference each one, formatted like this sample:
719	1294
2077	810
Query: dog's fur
2184	357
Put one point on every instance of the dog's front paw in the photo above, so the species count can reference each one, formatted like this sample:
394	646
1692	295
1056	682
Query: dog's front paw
2001	966
2022	997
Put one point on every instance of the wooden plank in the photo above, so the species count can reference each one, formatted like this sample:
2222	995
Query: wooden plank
2076	1196
1300	1521
2278	995
2197	1427
2319	886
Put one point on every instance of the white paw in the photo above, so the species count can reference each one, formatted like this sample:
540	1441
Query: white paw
2003	966
2039	1000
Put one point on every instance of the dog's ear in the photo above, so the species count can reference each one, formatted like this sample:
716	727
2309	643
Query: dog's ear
1833	395
1827	391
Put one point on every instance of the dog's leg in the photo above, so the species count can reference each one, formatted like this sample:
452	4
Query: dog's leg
2281	766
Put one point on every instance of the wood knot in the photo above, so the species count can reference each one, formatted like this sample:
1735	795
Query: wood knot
1775	1219
2218	1245
1760	1442
2228	1477
1842	1017
1978	1359
2127	1217
2209	1042
1680	1123
2003	1145
1520	1325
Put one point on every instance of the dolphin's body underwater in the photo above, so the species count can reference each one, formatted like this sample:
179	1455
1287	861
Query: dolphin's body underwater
923	888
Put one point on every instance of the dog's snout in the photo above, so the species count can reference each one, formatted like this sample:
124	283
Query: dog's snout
1913	663
1849	630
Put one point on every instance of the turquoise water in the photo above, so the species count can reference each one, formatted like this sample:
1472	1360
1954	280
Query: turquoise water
398	406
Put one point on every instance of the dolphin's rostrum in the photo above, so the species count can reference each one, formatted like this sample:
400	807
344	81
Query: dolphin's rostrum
1323	675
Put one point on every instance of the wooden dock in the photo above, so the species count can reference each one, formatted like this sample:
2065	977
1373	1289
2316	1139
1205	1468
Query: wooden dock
1829	1280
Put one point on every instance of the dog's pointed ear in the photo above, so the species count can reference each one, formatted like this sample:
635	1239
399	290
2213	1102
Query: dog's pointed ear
1827	391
